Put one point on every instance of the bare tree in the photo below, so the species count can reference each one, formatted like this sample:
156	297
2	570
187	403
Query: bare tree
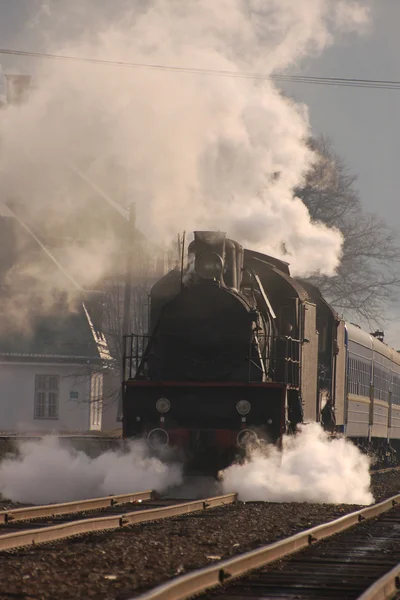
149	264
368	277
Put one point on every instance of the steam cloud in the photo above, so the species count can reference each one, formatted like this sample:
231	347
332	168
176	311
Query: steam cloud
310	468
191	150
46	472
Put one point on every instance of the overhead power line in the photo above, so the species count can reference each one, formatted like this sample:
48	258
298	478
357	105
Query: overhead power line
46	250
336	81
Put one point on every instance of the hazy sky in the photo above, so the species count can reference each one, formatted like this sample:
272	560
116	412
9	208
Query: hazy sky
362	123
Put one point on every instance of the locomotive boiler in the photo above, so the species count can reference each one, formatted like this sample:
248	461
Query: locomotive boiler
237	350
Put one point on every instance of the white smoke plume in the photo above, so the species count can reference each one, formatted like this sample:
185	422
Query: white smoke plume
309	468
191	150
46	471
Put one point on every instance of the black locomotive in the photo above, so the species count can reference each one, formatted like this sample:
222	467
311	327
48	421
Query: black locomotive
239	350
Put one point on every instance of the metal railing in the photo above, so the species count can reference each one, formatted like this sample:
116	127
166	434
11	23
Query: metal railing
277	357
135	347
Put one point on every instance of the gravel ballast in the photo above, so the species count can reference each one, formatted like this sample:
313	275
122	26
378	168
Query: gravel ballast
116	565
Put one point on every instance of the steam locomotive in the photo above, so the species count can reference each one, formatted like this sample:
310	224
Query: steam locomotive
238	350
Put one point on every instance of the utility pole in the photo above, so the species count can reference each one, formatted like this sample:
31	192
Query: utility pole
130	244
126	322
182	256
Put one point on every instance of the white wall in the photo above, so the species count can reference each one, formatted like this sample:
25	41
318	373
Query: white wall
109	418
17	398
111	391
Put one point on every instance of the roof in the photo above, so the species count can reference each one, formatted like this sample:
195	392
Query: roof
66	338
279	264
356	334
317	298
359	336
54	332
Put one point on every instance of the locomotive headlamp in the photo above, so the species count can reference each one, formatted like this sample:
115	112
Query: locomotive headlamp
246	438
158	439
163	405
243	407
209	265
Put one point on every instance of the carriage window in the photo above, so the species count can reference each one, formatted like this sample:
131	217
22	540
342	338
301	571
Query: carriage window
359	374
396	390
381	383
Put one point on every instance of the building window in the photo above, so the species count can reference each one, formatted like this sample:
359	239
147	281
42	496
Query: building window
46	396
96	401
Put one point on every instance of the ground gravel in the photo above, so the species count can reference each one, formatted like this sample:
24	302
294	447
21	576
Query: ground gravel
385	485
121	564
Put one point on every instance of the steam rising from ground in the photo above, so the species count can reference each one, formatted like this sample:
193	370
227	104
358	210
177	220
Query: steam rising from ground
191	150
310	468
46	472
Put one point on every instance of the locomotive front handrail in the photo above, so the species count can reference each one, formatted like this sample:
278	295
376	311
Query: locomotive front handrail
280	364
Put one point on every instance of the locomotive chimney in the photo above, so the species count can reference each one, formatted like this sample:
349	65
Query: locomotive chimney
210	241
216	258
208	252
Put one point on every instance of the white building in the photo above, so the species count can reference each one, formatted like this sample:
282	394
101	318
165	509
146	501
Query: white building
52	379
55	378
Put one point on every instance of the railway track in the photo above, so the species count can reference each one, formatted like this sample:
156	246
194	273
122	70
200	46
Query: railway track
51	510
58	521
385	470
364	554
128	560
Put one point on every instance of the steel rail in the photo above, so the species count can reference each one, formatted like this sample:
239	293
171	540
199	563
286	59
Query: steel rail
57	532
385	587
52	510
186	586
386	470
